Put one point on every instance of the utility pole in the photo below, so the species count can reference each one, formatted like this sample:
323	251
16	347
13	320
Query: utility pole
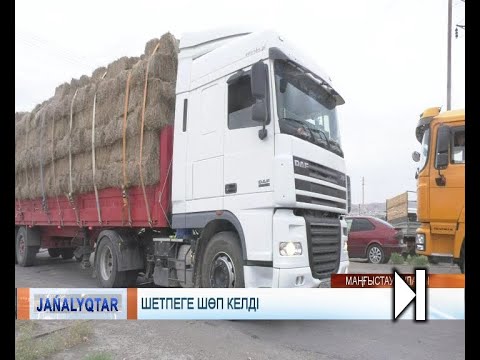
449	57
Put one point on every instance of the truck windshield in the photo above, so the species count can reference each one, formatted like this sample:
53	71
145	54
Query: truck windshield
305	107
424	149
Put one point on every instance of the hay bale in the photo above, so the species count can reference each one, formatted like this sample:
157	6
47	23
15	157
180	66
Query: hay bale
43	136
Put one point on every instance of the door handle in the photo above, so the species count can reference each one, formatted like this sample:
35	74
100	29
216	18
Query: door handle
231	188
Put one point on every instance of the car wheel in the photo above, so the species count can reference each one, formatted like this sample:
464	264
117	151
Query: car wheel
375	254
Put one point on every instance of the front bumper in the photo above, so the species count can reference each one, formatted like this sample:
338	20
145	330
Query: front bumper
256	276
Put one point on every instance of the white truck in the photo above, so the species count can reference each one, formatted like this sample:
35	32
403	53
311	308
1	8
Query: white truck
259	188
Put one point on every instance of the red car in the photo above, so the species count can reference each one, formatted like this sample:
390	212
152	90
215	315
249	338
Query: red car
373	238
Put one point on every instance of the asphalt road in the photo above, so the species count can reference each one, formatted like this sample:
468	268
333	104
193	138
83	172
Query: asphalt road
49	272
249	340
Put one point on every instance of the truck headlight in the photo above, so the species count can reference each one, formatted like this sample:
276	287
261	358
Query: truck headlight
420	239
420	242
290	248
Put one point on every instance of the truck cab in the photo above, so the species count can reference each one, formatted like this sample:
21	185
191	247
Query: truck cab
441	185
258	162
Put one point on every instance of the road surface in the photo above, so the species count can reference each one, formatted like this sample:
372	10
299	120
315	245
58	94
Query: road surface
250	340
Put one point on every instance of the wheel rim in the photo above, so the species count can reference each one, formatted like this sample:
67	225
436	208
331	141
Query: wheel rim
21	245
106	263
222	271
375	255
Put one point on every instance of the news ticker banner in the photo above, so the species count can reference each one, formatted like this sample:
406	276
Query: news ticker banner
349	298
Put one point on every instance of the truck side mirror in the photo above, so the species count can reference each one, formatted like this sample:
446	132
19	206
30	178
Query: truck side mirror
258	84
259	112
258	80
443	142
416	156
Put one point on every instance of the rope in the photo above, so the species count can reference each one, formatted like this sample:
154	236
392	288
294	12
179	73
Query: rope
141	135
99	213
70	184
126	204
42	184
161	194
26	149
60	215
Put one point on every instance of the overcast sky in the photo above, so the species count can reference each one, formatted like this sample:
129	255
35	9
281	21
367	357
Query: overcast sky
387	58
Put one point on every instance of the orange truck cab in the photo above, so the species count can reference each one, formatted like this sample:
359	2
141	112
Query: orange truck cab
441	186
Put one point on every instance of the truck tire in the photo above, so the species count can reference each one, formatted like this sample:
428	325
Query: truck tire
25	253
375	254
222	263
106	264
54	252
66	253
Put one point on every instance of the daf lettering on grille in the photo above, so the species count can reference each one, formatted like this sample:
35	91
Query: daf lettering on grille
302	164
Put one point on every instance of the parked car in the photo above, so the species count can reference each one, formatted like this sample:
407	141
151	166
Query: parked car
373	239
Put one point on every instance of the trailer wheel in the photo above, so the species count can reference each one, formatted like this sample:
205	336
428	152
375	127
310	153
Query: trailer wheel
222	263
106	264
25	253
375	254
66	253
54	252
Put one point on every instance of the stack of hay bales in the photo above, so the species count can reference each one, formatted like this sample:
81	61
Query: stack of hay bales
44	142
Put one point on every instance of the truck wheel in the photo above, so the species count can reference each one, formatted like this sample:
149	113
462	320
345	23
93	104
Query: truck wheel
375	254
66	253
54	252
106	264
222	264
25	254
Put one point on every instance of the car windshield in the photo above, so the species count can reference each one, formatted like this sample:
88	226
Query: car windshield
305	107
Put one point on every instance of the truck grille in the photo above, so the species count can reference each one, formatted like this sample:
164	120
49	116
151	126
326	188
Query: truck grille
316	171
324	243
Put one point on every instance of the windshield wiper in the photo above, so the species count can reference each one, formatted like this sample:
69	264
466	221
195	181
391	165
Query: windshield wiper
323	134
306	125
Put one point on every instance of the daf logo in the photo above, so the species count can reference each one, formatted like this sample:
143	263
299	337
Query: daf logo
263	183
302	164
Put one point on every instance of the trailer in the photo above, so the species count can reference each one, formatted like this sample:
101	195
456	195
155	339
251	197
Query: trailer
251	189
401	212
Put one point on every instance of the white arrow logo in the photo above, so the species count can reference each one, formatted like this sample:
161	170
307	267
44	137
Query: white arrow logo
403	295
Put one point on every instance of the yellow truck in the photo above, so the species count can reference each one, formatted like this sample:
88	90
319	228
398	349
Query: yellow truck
441	186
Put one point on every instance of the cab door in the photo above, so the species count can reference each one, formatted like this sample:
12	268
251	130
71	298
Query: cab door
206	122
248	160
447	198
